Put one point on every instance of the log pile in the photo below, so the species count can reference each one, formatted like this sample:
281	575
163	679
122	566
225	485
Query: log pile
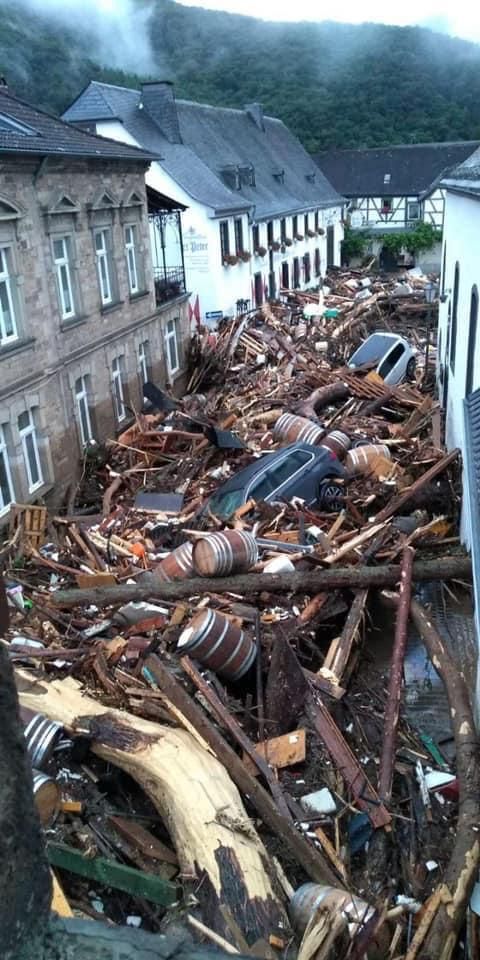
287	759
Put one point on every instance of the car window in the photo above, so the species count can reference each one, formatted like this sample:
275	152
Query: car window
278	473
391	359
373	349
224	504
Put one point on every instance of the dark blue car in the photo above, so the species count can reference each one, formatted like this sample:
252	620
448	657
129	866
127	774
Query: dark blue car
299	470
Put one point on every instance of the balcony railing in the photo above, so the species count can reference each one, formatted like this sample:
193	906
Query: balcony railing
169	283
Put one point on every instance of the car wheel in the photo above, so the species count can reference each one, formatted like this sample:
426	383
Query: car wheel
411	368
330	496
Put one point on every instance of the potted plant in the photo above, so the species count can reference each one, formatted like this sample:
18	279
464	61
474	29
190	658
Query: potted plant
244	255
288	242
321	232
299	236
310	233
275	246
260	251
230	260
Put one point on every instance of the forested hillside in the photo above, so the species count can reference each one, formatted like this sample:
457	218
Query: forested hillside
333	84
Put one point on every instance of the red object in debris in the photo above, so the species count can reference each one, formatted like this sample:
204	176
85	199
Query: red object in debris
449	790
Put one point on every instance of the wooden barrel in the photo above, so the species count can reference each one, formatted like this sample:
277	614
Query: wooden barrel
292	429
338	442
178	565
46	793
361	459
41	735
218	554
218	644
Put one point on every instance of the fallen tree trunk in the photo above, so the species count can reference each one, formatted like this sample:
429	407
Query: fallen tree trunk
444	568
320	398
217	846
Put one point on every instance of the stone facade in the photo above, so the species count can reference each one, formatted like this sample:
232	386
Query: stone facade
80	209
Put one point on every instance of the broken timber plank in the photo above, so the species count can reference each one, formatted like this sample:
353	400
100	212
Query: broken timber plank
339	650
392	706
141	838
397	502
279	752
364	794
113	874
443	568
259	760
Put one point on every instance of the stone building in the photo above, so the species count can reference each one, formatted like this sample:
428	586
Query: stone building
83	320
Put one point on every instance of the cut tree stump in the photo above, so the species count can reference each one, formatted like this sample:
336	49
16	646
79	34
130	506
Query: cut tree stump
217	846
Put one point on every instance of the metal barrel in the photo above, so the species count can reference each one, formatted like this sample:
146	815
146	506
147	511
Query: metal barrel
361	459
292	429
357	913
46	793
218	554
41	735
218	644
338	442
177	565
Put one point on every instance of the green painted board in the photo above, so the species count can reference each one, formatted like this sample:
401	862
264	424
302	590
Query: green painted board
113	874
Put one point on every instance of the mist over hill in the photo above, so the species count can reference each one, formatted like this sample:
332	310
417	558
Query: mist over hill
333	84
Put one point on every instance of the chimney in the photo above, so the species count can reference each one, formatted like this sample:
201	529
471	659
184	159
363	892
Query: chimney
158	99
255	112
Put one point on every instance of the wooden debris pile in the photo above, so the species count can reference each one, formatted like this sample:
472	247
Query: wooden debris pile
276	793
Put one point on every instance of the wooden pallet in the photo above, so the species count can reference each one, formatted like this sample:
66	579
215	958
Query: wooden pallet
33	521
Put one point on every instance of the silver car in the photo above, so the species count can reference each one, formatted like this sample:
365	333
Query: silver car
393	356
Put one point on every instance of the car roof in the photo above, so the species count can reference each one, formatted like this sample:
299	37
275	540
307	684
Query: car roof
247	473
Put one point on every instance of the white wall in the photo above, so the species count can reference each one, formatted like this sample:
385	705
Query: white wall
461	233
216	286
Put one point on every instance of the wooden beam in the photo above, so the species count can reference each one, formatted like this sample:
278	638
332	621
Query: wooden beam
444	568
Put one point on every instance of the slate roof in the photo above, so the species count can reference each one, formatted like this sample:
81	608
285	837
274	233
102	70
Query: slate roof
465	178
414	168
26	130
213	138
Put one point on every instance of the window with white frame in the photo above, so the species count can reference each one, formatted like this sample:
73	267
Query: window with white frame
143	361
83	410
103	248
62	258
171	338
132	263
8	319
413	210
118	378
6	485
31	456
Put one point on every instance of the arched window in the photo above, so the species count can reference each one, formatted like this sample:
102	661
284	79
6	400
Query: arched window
472	341
453	338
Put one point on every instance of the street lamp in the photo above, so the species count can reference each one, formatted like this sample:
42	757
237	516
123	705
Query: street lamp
431	291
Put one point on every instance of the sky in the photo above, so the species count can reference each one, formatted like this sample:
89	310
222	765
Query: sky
461	19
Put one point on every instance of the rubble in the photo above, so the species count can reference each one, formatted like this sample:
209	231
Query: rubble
280	754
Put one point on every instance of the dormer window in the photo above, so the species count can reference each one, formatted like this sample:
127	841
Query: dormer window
310	177
279	176
231	177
